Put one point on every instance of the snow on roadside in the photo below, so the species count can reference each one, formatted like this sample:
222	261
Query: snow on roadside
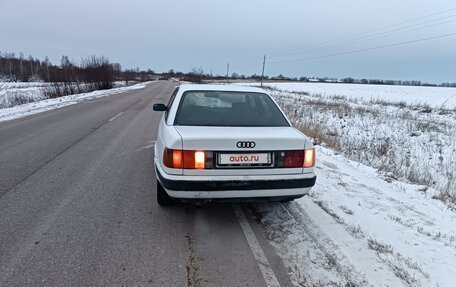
24	110
18	93
12	93
358	227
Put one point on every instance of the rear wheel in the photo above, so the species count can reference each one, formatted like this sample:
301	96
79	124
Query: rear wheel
163	198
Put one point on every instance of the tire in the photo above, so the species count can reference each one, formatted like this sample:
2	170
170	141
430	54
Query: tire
163	199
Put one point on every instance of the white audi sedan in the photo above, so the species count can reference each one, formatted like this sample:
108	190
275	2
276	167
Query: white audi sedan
228	142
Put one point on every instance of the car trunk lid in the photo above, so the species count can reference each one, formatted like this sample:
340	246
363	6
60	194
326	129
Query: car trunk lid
257	141
227	138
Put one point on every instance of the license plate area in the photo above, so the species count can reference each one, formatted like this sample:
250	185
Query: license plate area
244	160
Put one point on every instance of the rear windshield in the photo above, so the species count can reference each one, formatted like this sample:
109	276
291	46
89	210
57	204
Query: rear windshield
238	109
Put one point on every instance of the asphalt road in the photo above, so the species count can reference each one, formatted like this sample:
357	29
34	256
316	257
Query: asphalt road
78	207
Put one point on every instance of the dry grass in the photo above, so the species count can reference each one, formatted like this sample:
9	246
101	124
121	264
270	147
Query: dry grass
329	211
356	231
378	246
317	133
404	268
346	210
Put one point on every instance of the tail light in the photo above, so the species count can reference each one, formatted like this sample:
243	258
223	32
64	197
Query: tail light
172	158
309	157
297	158
187	159
293	158
200	159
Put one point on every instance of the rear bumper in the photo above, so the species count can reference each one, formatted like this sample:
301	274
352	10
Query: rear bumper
179	186
219	185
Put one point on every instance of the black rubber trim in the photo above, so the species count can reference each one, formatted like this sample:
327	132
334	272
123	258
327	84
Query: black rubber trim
235	184
240	199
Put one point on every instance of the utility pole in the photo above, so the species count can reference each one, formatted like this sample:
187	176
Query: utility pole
227	70
262	73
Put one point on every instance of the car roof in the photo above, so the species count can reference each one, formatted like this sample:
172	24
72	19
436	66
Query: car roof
220	87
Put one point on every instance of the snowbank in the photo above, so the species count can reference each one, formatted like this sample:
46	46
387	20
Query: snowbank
50	104
358	227
13	93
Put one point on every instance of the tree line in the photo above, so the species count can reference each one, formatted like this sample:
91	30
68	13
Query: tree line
350	80
197	75
97	72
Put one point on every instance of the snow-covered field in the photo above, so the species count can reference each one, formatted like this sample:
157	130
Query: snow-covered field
416	144
432	96
40	106
412	142
408	141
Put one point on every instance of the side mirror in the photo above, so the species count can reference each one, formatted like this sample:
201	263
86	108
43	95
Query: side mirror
160	107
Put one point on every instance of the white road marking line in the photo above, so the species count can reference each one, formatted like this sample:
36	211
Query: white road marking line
115	117
258	253
147	147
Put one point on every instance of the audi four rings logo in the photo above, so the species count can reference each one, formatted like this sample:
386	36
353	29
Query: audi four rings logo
245	144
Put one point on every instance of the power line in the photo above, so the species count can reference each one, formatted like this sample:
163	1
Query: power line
341	43
377	35
354	51
363	33
366	49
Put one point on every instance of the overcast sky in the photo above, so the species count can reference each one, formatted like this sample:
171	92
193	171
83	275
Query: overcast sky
207	33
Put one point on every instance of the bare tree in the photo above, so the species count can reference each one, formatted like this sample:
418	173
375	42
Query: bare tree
196	75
